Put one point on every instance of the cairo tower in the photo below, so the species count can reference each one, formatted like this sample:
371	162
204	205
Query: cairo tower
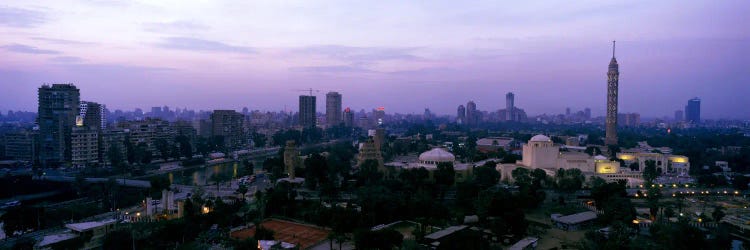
613	75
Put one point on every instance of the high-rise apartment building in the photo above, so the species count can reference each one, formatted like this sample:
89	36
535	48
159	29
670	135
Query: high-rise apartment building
333	108
379	114
510	106
229	125
629	119
84	143
112	143
613	76
461	114
679	115
148	131
693	110
307	111
56	116
93	115
472	116
348	117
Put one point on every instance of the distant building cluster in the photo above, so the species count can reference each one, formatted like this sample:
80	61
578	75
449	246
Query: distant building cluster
471	116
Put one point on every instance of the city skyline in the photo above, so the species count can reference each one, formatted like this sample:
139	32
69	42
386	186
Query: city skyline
550	55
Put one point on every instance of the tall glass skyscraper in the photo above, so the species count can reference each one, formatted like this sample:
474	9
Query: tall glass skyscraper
693	110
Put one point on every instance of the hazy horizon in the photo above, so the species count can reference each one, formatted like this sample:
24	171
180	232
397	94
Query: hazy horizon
403	56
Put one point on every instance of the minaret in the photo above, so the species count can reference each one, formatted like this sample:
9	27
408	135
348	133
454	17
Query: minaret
613	75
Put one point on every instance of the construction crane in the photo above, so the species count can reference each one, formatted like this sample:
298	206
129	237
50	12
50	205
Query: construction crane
308	90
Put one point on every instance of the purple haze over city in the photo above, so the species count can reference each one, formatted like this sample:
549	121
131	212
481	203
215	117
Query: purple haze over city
403	55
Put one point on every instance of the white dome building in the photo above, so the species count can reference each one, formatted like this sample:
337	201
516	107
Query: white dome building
540	138
540	152
435	156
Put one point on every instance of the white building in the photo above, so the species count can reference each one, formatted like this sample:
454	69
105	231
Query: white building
541	153
430	159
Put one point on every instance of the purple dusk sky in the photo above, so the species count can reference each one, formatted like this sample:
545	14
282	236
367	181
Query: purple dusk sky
403	55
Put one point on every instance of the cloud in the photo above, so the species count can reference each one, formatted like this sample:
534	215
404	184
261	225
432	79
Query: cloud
66	59
331	69
21	18
62	41
112	68
194	44
173	26
20	48
360	54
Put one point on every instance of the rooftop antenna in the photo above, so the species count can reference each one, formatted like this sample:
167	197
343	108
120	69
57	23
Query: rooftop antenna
308	90
613	49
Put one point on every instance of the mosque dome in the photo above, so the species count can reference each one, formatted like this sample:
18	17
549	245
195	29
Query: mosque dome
436	155
540	138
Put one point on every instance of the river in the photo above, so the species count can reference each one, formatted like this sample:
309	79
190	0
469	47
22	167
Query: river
202	175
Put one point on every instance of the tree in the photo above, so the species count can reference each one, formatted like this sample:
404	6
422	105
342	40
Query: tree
380	239
596	182
115	155
163	147
634	166
521	176
130	150
159	183
186	149
445	176
21	219
249	166
368	172
592	151
486	175
740	182
649	172
569	180
618	238
680	235
174	151
613	150
118	239
612	198
511	158
242	190
203	146
652	200
718	213
259	140
142	155
219	178
316	170
538	176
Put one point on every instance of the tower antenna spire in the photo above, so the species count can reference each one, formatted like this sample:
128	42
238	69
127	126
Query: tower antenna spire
613	49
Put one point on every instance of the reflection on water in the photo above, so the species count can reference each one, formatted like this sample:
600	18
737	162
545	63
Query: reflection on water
202	175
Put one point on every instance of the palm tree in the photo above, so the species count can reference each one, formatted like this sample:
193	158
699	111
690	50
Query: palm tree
242	189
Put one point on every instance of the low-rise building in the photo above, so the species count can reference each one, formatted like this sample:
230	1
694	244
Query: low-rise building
528	243
574	221
93	232
493	144
20	146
